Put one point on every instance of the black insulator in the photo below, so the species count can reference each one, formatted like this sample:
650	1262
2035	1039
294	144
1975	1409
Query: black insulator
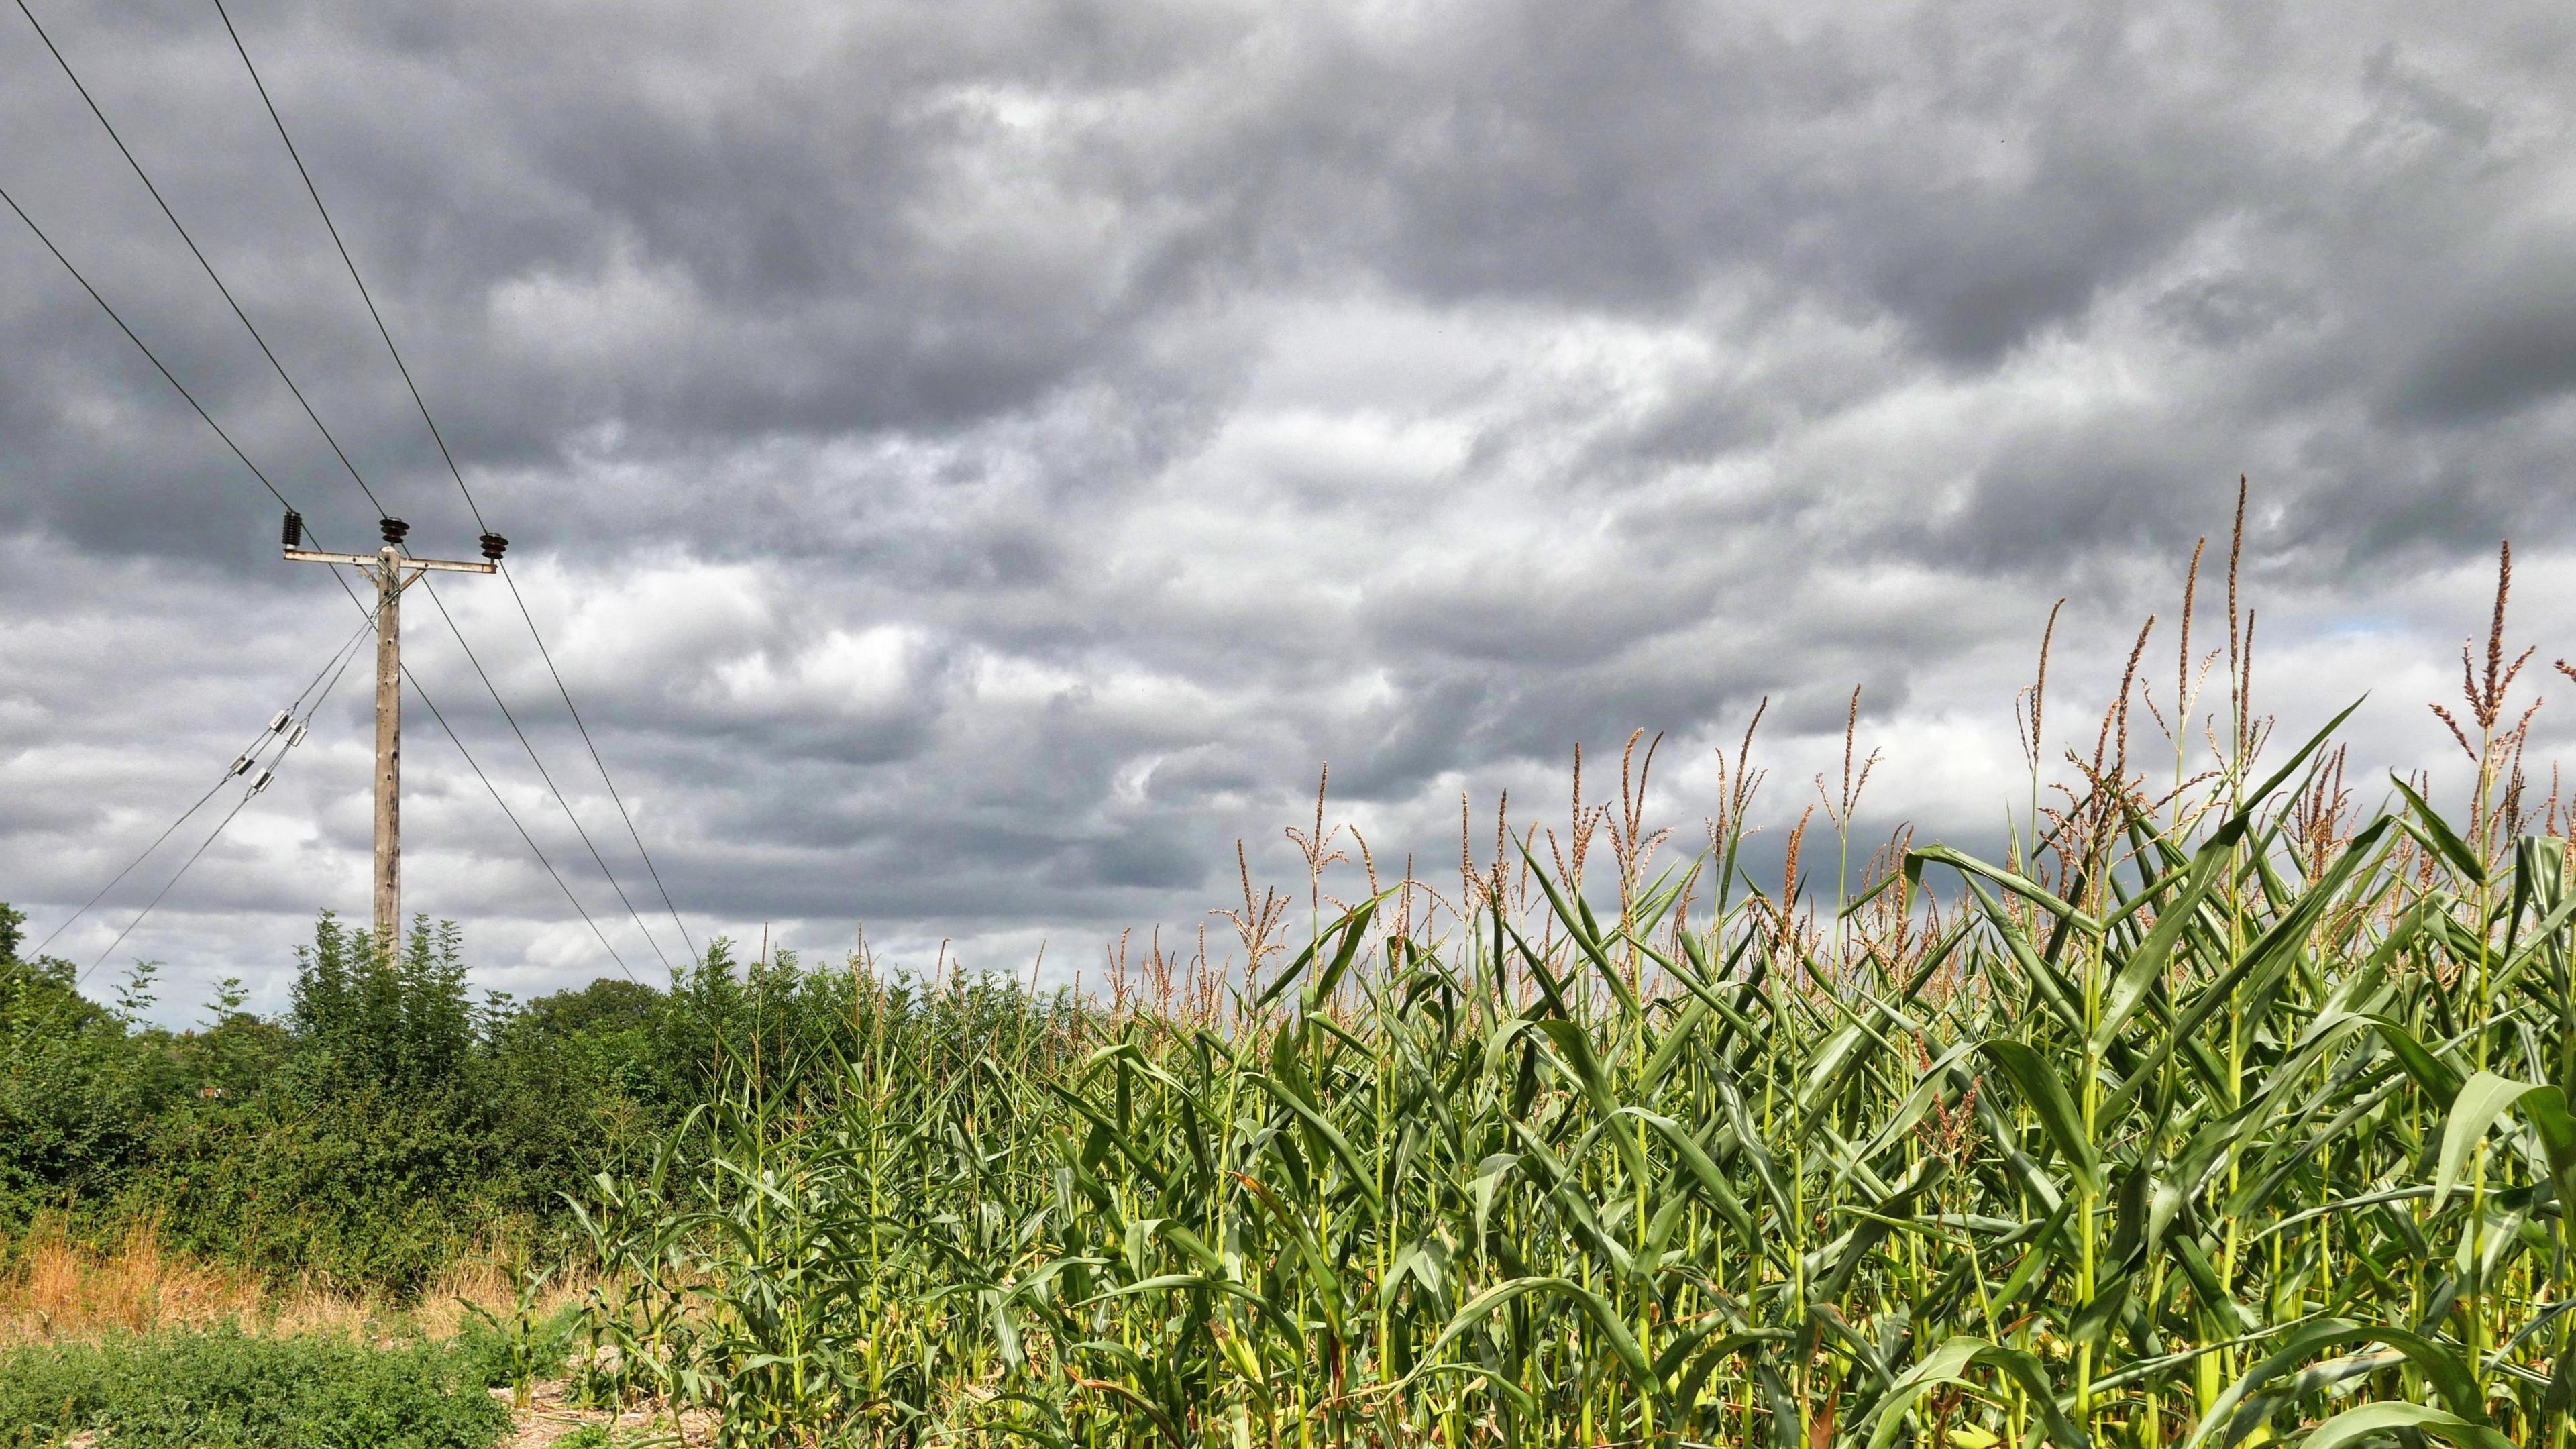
294	533
394	528
493	544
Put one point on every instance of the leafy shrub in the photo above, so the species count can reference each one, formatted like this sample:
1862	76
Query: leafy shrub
387	1123
382	1127
227	1390
78	1095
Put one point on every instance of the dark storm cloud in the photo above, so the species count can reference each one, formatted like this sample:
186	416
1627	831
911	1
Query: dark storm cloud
974	462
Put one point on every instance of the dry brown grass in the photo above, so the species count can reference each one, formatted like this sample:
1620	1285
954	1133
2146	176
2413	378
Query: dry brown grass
53	1287
551	1417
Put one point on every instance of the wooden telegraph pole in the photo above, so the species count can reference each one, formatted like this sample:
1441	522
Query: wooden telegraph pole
393	571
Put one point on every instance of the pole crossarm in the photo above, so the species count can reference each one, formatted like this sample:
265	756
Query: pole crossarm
369	560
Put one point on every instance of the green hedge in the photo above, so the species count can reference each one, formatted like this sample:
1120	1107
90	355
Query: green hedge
390	1120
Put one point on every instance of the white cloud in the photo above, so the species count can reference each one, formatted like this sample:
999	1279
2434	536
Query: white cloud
972	468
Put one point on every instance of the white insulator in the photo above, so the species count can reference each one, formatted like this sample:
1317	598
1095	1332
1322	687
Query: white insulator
295	736
241	766
279	723
262	782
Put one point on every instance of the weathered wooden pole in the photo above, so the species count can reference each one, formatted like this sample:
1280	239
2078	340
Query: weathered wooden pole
392	571
388	872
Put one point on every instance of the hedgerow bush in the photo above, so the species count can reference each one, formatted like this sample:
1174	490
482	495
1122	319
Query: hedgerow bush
388	1122
362	1141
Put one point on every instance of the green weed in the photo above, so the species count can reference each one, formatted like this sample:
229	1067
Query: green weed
223	1389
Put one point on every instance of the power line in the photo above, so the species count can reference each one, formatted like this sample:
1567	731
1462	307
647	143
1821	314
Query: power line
173	829
237	767
587	743
148	354
342	657
515	825
202	846
311	190
195	251
348	651
342	454
542	772
182	389
364	295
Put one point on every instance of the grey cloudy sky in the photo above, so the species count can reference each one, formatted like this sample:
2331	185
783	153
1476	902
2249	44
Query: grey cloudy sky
973	462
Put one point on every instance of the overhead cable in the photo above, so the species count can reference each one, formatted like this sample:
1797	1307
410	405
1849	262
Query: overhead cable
231	771
352	468
199	408
364	295
515	825
285	740
193	250
545	774
146	351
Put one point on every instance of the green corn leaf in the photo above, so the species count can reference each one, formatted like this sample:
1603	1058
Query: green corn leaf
1605	1321
2288	1366
1175	1282
1949	1364
2371	1420
2048	1100
2018	884
2437	835
2488	1096
1352	1166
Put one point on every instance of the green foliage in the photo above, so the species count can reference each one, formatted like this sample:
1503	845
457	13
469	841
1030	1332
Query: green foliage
371	1150
79	1091
223	1389
386	1124
516	1350
2210	1121
369	1017
382	1127
740	1278
2212	1118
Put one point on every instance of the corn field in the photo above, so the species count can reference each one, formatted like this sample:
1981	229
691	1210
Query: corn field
2216	1111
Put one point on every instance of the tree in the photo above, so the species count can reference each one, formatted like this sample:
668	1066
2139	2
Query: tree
397	1019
